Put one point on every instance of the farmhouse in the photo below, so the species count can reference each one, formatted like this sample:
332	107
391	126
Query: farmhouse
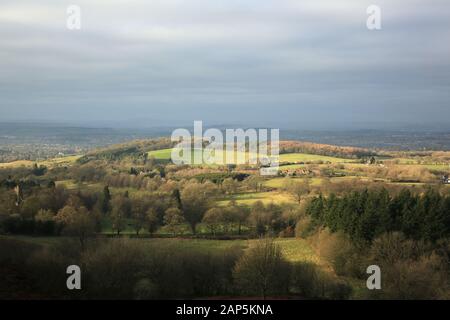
445	179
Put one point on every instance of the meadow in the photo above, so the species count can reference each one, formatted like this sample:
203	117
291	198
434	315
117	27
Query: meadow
295	250
52	162
165	154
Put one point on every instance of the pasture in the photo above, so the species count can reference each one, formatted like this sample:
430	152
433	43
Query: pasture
250	198
295	250
165	154
305	157
51	163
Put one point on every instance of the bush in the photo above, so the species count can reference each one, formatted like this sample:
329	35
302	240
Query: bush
47	268
310	282
29	271
145	289
180	274
304	228
410	269
337	290
304	280
15	224
112	269
339	251
262	270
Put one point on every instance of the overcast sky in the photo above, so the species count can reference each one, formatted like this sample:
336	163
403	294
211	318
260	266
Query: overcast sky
254	62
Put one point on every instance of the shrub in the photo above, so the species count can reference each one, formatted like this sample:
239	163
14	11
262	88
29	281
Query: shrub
304	227
340	252
112	268
410	269
304	280
262	270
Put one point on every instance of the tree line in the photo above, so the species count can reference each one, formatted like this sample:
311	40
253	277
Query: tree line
133	269
364	215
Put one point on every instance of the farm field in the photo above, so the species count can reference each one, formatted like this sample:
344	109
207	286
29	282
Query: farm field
304	157
165	154
67	160
435	167
55	162
71	184
162	154
250	198
295	250
17	164
278	183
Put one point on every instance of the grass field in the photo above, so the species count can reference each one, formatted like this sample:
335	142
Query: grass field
165	154
96	187
292	167
279	182
436	167
251	197
304	157
295	250
62	161
73	185
68	160
17	164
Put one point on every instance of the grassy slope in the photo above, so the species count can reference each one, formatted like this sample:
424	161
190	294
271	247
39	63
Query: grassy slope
295	250
62	161
304	157
252	197
165	154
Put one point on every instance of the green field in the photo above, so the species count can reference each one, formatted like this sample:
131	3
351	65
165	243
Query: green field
295	250
165	154
250	198
278	183
292	167
436	167
55	162
17	164
304	157
73	185
95	187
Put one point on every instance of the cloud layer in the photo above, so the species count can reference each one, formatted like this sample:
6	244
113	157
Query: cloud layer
249	61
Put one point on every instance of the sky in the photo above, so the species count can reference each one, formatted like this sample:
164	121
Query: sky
297	63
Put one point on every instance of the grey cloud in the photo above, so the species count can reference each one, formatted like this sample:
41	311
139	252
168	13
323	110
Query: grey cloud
271	61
